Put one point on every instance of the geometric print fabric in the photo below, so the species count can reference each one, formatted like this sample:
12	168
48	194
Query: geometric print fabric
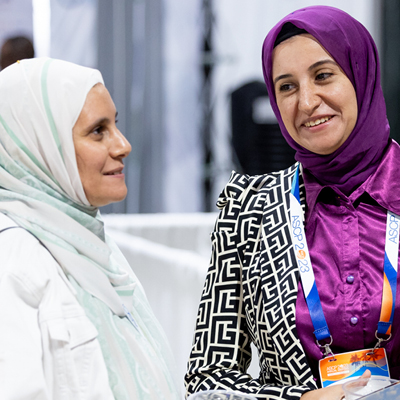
250	295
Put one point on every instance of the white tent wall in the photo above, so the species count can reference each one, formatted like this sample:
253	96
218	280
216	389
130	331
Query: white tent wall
73	31
182	84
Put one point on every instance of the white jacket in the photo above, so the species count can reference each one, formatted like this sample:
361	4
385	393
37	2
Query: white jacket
48	346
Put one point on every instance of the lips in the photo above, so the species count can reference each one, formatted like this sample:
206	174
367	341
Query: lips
114	172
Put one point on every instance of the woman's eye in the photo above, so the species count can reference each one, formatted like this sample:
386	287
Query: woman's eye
98	131
323	76
285	87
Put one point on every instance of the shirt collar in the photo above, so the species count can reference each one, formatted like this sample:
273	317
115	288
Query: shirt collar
383	185
312	188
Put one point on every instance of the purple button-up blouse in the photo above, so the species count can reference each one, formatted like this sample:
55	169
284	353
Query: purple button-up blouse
346	239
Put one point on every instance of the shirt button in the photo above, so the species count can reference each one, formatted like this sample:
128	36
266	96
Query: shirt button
350	279
354	320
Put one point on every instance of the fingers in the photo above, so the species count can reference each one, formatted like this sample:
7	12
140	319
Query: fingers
366	374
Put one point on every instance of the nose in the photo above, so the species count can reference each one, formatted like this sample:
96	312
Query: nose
309	100
120	147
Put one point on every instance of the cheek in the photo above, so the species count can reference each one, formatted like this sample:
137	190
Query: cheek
90	166
351	108
353	118
288	115
89	161
81	160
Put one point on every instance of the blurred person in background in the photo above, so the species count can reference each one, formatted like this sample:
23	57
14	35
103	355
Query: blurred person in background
75	322
304	261
14	49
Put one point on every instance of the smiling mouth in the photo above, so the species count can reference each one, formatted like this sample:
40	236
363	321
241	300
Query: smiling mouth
317	122
114	173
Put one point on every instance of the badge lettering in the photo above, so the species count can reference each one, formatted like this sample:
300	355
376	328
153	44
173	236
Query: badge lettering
393	229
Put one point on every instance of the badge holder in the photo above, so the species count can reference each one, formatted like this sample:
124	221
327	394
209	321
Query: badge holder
339	368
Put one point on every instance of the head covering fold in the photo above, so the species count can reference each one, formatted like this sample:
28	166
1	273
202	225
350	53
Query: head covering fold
352	47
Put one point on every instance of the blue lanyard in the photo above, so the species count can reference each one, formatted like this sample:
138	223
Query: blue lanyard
389	274
321	330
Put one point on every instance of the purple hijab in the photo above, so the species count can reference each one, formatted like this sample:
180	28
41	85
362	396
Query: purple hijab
352	47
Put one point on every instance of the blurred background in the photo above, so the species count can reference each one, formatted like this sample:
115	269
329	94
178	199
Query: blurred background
187	82
186	78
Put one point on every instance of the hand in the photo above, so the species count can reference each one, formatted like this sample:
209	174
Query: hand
334	392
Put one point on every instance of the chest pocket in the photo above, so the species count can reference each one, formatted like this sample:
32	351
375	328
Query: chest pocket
71	353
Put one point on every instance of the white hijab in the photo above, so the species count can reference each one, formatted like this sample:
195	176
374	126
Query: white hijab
40	187
41	190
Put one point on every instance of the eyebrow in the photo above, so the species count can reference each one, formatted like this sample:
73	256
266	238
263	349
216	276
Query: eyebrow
310	68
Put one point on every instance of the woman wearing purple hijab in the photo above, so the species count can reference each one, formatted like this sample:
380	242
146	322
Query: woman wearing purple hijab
304	262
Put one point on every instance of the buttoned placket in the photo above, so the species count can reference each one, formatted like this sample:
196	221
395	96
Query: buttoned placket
350	269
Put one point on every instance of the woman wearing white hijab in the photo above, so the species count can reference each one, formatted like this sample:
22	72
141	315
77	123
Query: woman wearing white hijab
75	323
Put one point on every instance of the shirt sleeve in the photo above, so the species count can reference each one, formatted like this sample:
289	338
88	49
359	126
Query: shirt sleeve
221	350
21	370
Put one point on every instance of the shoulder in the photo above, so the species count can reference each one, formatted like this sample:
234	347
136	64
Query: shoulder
244	188
25	263
17	243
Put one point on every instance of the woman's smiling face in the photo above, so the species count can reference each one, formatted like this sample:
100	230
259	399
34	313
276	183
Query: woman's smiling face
316	100
100	149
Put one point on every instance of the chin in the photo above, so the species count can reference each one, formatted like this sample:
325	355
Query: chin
322	150
101	201
116	199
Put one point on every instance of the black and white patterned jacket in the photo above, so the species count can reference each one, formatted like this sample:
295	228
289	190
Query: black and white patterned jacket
250	295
